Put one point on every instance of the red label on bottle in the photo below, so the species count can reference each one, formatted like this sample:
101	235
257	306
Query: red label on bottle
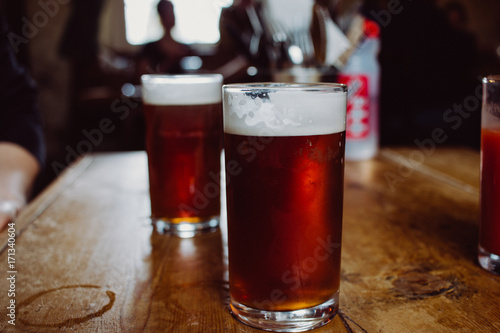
358	106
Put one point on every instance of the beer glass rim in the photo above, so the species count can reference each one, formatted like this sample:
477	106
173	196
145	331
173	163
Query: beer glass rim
181	89
285	86
182	78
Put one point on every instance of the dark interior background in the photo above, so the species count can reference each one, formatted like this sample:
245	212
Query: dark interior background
432	58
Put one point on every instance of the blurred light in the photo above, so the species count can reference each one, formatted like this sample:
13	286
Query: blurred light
128	90
187	248
295	54
197	21
142	24
498	51
185	235
191	63
252	71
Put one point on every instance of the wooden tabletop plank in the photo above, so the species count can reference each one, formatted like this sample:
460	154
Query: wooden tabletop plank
409	255
456	166
88	260
30	213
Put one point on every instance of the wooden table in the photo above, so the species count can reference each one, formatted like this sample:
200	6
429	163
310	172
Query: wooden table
86	258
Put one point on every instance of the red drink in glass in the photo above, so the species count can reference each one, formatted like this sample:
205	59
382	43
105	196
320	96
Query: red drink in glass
184	143
489	236
489	228
284	156
285	220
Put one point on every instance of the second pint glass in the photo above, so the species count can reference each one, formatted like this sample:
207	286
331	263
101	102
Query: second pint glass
489	230
183	142
284	150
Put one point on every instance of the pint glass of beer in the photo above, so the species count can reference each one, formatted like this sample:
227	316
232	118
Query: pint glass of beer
284	158
183	142
489	227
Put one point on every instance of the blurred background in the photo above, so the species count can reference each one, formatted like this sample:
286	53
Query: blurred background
87	57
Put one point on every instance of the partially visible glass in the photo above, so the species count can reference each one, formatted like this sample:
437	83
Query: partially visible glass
184	144
489	230
284	157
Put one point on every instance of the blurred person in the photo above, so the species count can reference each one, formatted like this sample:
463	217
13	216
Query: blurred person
165	54
233	48
243	41
22	149
457	15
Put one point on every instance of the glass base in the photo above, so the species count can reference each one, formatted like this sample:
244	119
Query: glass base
287	321
185	228
489	261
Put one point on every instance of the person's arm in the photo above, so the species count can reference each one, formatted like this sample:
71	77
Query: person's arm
22	148
18	170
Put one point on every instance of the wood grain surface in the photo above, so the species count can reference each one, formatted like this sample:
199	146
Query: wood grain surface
87	260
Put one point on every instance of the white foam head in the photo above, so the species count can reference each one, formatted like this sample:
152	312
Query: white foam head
181	89
278	109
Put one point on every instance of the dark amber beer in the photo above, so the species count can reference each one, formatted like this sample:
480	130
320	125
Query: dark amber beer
183	141
489	222
284	150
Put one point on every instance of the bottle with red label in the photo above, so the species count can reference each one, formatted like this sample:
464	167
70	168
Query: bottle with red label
362	76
